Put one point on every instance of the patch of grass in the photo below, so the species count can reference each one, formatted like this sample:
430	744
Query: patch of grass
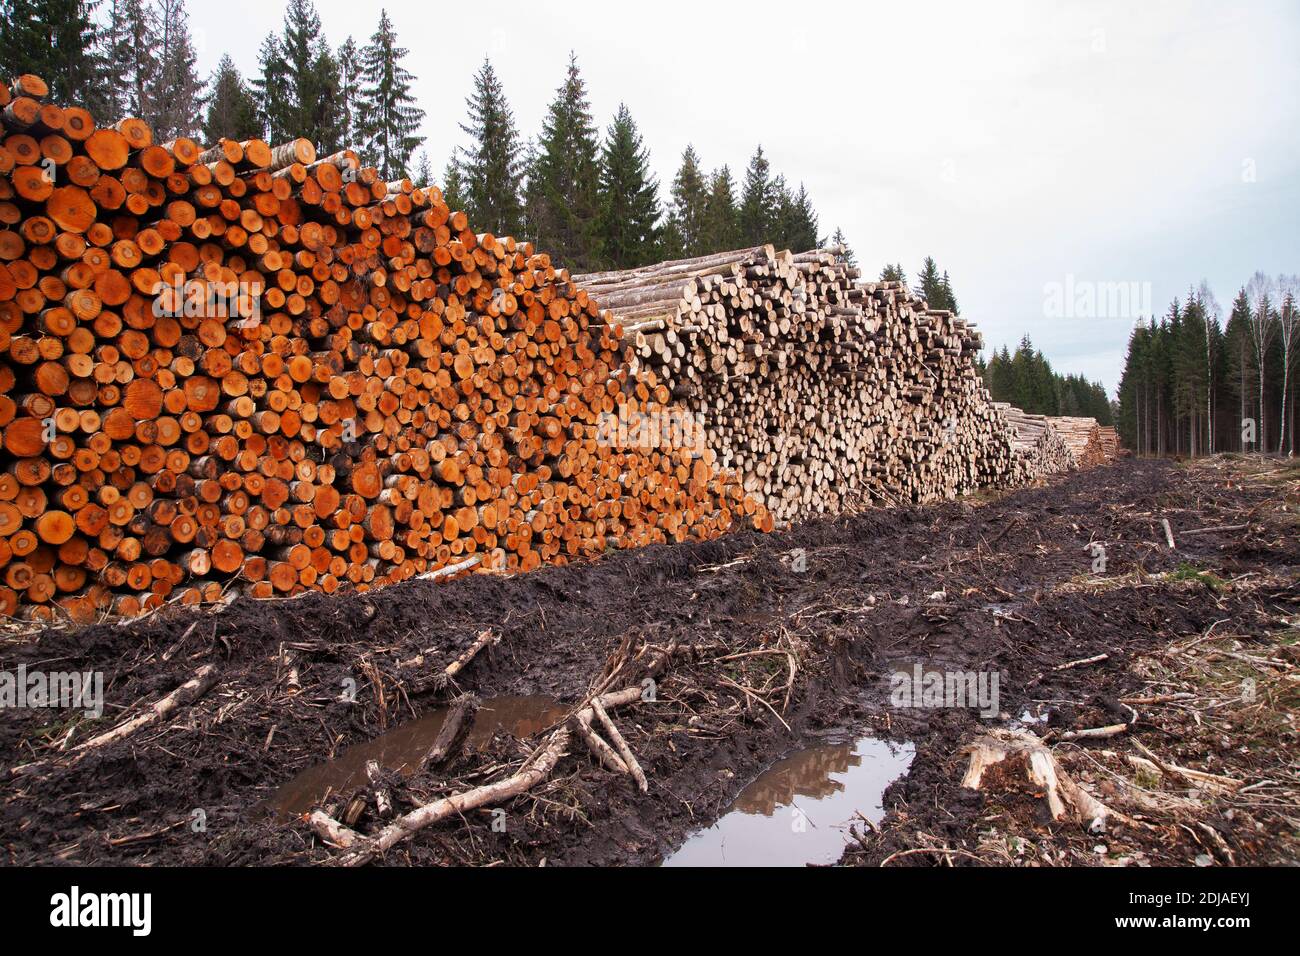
1290	637
1187	571
1147	779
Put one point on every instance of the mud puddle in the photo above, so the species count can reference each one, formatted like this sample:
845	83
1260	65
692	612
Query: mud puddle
402	748
798	811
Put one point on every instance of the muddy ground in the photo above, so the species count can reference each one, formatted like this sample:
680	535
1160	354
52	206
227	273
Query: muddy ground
778	638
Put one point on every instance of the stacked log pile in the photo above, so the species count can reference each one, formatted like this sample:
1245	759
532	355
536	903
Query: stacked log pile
1109	442
821	391
1083	436
252	368
1040	450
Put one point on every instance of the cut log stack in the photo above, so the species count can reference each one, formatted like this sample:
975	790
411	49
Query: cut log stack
1109	442
251	369
1083	437
820	391
1039	448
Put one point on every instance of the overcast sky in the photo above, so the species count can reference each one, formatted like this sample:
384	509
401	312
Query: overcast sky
1023	145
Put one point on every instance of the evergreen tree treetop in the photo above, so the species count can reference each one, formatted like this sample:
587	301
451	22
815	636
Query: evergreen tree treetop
491	166
629	197
390	118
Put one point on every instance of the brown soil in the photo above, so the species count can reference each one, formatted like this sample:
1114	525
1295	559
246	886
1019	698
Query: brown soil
867	603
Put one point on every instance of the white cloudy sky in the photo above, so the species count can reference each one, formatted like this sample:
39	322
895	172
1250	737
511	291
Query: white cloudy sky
1018	143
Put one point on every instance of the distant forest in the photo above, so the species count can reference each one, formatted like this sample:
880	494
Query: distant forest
1193	385
1026	379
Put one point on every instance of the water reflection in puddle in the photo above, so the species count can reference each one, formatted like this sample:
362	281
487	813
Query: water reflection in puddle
403	747
798	811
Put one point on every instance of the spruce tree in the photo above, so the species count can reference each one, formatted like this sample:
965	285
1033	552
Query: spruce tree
893	273
323	116
177	92
453	185
801	229
629	197
529	190
491	166
564	182
299	44
1240	368
759	201
132	58
231	109
782	215
271	87
56	40
389	117
686	208
930	284
349	61
423	175
720	231
299	89
847	256
946	295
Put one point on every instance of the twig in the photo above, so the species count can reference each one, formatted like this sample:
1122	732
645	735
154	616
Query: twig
930	849
749	693
1082	662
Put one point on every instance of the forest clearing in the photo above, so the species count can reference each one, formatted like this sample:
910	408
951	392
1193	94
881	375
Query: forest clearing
761	661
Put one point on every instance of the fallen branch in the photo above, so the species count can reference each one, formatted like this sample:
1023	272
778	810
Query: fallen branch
1152	762
182	696
1098	733
1082	663
404	827
450	569
1094	733
624	750
596	744
1222	527
946	851
1157	699
758	697
483	640
333	832
536	768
